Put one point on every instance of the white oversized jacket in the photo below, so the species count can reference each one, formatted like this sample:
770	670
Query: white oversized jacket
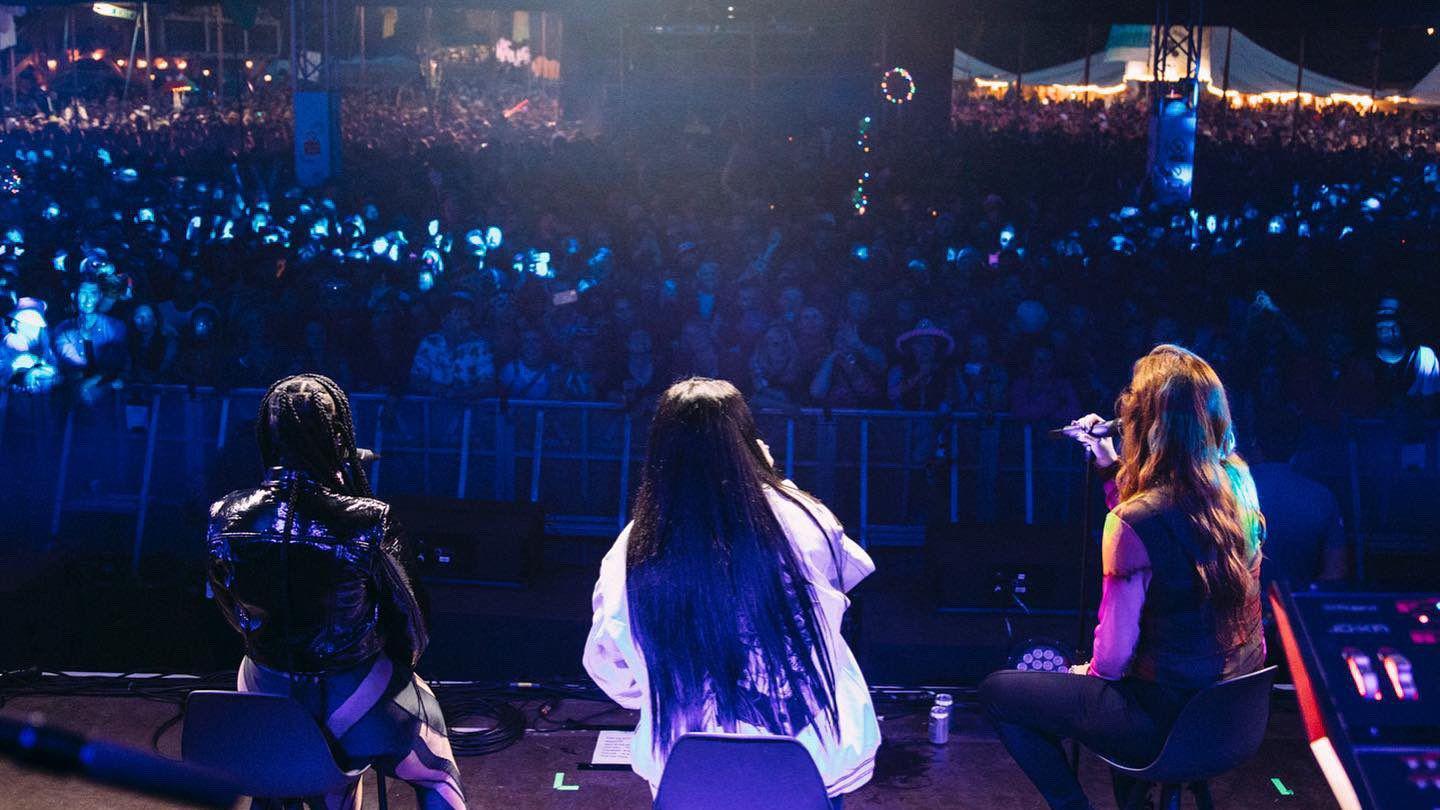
828	559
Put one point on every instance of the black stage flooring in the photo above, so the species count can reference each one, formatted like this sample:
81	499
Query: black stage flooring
972	771
82	612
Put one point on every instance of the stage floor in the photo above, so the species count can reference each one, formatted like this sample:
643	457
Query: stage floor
972	771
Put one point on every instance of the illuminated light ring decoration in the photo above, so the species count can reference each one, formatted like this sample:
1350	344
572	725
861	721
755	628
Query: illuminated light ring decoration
897	85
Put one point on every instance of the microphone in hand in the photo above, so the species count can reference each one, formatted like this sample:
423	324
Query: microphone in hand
1097	435
1099	429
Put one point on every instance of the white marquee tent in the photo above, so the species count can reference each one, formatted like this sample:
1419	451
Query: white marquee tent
1228	58
1427	91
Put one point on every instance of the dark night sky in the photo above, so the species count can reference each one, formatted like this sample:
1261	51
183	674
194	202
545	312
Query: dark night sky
1340	34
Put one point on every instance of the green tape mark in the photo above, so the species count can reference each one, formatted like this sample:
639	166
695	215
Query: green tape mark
560	782
1274	780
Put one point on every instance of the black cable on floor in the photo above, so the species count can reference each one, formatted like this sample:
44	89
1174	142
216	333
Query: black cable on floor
464	705
164	727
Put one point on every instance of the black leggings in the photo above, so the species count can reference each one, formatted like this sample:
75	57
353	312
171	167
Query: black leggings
1125	720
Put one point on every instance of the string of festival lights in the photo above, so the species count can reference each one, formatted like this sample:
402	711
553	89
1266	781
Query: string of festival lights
898	87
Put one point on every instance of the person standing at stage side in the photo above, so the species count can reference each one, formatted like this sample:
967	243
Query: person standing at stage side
307	568
1180	606
759	569
1407	382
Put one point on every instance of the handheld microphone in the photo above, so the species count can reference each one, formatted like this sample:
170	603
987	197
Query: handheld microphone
1099	431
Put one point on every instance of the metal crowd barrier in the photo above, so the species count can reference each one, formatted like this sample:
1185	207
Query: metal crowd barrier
154	457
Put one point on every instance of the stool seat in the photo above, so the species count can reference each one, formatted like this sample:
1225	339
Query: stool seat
1219	728
269	745
740	772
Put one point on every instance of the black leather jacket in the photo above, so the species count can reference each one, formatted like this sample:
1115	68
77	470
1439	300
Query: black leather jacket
332	597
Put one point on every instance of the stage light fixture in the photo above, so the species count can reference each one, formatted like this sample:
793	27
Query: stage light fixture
1041	655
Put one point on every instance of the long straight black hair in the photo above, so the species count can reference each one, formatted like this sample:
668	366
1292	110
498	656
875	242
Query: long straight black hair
719	603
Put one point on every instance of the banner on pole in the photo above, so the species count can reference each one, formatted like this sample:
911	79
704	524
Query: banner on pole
317	141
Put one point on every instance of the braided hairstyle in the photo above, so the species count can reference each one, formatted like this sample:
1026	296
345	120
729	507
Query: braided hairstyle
305	423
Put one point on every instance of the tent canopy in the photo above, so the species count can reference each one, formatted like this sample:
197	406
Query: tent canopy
1427	90
1252	70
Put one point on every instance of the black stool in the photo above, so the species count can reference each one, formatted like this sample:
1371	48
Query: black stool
268	744
1221	727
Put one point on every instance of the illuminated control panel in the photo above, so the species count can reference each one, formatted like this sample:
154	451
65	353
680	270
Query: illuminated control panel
1399	673
1366	668
1362	674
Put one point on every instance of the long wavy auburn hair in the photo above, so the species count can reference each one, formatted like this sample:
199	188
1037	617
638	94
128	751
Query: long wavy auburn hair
719	603
1177	438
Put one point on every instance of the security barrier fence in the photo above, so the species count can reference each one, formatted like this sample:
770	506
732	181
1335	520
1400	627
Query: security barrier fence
139	468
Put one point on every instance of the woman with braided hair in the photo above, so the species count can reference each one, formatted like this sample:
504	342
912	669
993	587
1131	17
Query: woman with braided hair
308	569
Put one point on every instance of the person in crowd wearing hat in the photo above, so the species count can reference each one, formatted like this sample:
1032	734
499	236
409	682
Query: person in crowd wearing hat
1407	381
1403	370
923	380
25	356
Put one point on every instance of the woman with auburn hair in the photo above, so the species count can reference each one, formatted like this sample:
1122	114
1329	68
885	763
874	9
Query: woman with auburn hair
718	609
1180	606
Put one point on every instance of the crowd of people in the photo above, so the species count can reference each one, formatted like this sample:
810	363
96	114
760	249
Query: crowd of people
1334	127
474	248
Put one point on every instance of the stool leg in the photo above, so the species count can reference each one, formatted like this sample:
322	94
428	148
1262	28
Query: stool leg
380	789
1138	797
1202	795
1170	796
1130	793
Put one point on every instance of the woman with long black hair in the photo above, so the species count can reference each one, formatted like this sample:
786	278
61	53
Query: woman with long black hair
308	568
718	609
1180	605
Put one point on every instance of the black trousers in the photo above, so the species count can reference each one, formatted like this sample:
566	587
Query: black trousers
1125	720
